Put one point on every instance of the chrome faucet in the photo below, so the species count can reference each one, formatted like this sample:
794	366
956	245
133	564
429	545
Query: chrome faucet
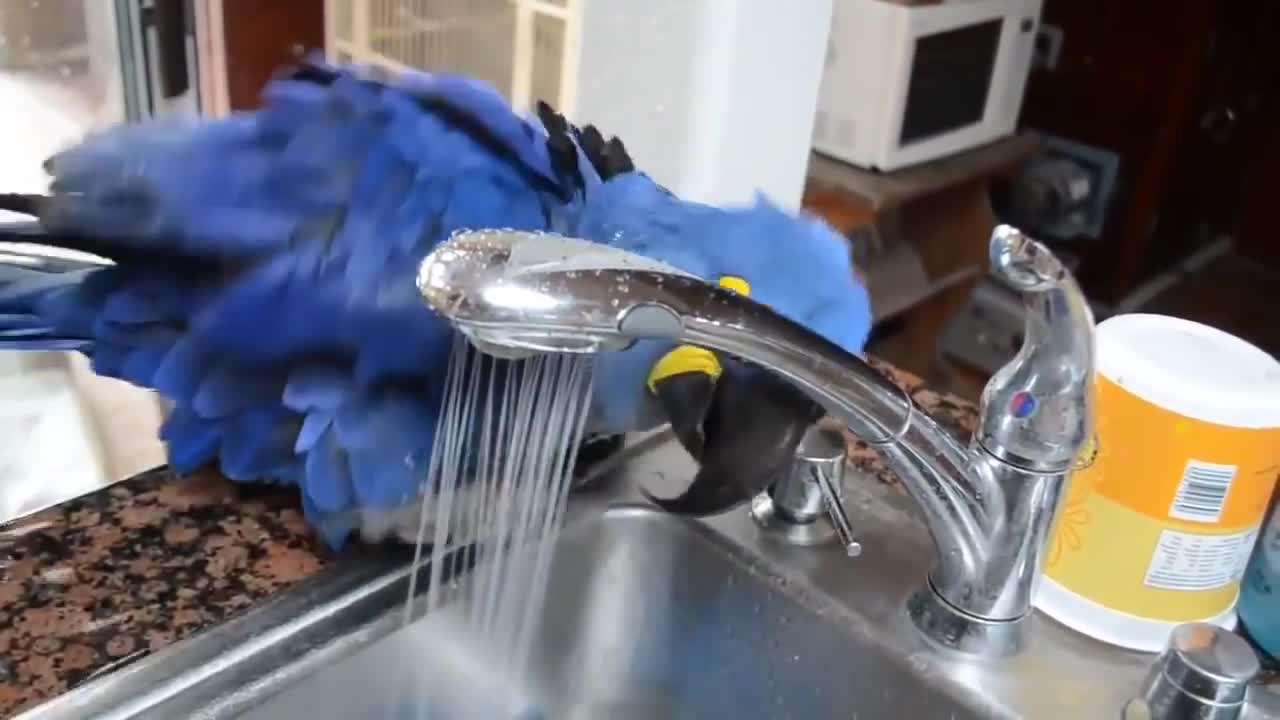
988	502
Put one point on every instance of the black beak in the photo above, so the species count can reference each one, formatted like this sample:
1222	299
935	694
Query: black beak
742	426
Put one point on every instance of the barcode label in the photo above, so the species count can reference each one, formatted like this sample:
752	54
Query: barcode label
1185	561
1203	492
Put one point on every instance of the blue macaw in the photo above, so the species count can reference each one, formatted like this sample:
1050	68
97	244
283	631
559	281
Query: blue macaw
264	265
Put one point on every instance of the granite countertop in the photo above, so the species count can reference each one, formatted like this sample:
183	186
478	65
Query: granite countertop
99	582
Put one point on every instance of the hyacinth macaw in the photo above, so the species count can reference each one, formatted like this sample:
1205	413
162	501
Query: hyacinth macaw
263	268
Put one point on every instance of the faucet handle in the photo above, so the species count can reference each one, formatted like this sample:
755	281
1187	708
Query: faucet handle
1204	672
1037	411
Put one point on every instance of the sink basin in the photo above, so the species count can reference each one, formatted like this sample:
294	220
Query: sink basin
647	616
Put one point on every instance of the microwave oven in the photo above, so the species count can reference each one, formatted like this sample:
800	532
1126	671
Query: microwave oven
906	84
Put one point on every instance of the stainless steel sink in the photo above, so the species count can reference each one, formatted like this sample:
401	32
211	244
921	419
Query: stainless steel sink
649	616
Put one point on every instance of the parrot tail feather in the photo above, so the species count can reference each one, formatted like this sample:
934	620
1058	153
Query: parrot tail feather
22	203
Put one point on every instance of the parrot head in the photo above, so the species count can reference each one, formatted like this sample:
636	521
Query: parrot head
740	422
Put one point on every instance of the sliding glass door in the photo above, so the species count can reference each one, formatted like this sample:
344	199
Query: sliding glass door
68	67
159	56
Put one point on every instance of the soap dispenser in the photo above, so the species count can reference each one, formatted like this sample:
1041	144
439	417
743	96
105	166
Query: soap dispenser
1259	605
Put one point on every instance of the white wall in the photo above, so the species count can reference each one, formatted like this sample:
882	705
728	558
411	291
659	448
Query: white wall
714	98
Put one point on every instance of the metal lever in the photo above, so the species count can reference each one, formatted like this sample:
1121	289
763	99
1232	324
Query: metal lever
807	504
831	496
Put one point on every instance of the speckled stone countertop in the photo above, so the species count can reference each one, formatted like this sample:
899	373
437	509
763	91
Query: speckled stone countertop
99	582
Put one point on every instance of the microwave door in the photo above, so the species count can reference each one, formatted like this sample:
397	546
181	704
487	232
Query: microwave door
949	81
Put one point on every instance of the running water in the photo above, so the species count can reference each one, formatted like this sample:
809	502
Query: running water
497	487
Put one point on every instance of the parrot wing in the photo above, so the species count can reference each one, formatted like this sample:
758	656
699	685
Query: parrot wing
264	267
265	281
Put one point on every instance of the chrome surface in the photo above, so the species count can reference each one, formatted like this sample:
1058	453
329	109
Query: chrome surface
619	640
988	501
1203	674
650	615
806	506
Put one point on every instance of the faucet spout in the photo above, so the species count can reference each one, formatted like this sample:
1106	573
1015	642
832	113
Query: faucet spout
988	501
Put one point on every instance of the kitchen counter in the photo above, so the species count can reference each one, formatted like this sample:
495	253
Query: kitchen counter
96	583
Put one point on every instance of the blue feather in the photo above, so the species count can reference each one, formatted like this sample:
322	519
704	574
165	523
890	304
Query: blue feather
265	281
800	267
192	441
310	216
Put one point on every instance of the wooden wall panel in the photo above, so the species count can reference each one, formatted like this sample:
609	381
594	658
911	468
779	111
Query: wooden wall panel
1127	79
1257	222
261	36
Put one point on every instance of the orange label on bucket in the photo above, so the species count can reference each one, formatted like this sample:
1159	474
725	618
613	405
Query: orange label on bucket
1161	524
1164	465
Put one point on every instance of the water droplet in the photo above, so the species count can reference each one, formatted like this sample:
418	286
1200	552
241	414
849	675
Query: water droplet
613	302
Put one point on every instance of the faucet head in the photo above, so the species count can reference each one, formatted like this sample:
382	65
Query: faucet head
515	293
